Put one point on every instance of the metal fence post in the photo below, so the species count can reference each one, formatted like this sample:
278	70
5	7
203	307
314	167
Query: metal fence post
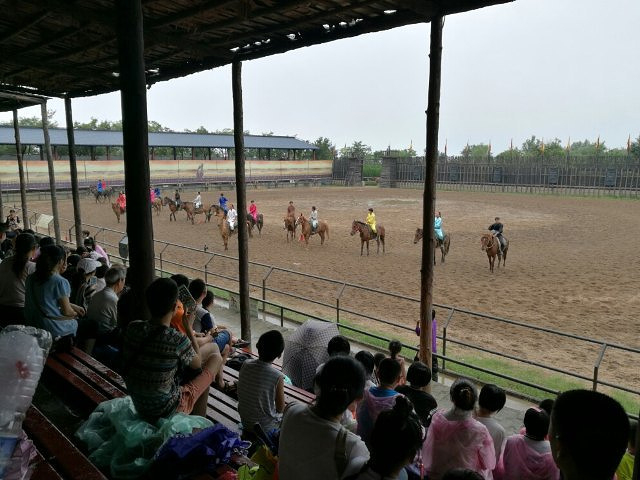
161	252
444	338
340	292
264	292
206	268
596	367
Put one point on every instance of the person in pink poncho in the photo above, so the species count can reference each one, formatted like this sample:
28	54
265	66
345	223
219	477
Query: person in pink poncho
528	456
456	440
253	211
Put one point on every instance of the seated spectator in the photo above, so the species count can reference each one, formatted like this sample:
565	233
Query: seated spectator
155	354
13	273
103	308
101	271
176	320
462	474
625	469
377	358
396	439
367	361
395	347
261	386
377	399
92	246
338	345
47	304
588	435
83	286
419	377
455	439
313	444
528	457
547	406
222	338
492	399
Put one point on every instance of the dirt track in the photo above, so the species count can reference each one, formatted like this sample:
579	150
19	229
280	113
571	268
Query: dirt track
573	263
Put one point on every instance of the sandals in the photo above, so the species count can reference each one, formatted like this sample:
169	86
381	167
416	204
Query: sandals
230	388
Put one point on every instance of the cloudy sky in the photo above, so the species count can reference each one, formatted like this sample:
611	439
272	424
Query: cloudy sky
550	68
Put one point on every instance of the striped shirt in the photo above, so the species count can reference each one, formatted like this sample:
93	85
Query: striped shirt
257	395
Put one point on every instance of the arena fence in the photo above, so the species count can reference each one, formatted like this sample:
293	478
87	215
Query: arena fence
326	299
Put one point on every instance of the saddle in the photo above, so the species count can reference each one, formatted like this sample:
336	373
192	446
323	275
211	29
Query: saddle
374	235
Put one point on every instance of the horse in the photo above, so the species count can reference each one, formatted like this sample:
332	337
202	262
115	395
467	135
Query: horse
214	209
173	207
192	211
443	245
259	223
290	225
157	205
305	225
225	231
366	235
489	244
101	196
117	210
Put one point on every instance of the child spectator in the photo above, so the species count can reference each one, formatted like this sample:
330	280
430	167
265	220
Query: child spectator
377	399
455	439
625	469
396	439
434	345
154	355
222	337
491	401
377	358
419	377
176	320
395	347
588	435
313	444
528	457
338	345
547	406
261	386
368	362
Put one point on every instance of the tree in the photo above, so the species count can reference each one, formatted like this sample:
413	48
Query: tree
326	149
358	150
33	121
480	150
635	148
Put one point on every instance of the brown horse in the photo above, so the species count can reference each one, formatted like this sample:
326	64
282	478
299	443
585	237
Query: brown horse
290	225
366	235
173	207
117	210
305	225
443	245
213	210
254	223
192	211
489	244
157	205
225	230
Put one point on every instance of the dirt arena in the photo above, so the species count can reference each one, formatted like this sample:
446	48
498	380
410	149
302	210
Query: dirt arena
572	265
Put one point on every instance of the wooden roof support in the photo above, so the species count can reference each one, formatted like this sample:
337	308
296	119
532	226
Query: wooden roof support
34	20
52	175
136	151
241	194
73	170
429	198
23	186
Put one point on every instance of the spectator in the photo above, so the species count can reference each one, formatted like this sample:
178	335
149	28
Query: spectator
47	304
491	401
13	273
338	345
588	435
419	377
547	406
528	457
625	469
84	284
103	308
222	337
97	250
395	347
456	440
154	354
462	474
313	444
177	319
396	439
368	363
434	345
377	399
377	358
261	386
101	271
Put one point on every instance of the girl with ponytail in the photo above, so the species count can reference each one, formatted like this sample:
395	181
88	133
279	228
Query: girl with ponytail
456	440
13	273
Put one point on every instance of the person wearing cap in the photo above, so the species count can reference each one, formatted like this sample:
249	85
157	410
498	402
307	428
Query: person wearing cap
84	283
371	221
13	220
496	229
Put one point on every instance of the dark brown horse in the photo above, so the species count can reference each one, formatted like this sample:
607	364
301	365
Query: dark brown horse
366	235
443	245
305	225
259	223
490	244
173	207
290	225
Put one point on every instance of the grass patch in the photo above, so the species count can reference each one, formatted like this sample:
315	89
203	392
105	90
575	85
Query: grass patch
371	170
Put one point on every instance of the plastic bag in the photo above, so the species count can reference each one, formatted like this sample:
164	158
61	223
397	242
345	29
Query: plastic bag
120	441
266	468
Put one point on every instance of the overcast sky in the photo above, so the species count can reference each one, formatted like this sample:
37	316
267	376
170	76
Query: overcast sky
551	68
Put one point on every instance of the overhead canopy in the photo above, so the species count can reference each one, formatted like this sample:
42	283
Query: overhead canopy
108	138
59	47
10	100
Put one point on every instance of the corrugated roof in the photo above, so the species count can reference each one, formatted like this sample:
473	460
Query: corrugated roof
104	138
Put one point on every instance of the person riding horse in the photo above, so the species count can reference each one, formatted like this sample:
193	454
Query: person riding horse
437	226
122	202
313	218
222	201
253	211
291	210
177	199
232	216
371	221
496	229
99	186
197	202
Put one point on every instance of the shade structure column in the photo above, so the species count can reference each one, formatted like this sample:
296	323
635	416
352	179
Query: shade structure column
23	185
243	247
52	175
136	152
73	170
429	198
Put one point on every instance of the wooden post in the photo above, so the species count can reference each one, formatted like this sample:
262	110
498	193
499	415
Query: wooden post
73	170
243	247
23	186
135	138
52	175
429	199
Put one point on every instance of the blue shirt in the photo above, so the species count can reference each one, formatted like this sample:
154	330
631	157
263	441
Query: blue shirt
223	202
42	305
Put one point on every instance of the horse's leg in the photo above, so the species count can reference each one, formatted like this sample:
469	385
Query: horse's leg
361	246
504	259
367	248
378	244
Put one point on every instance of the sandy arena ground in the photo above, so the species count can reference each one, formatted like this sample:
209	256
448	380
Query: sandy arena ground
572	265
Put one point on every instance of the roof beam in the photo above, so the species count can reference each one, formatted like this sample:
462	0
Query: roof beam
30	22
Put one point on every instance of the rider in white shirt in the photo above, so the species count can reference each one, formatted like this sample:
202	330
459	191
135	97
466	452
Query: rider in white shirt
197	202
232	216
313	218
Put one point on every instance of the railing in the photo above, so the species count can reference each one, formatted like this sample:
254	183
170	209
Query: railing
353	321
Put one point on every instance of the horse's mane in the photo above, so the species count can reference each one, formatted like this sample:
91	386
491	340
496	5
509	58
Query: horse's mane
360	223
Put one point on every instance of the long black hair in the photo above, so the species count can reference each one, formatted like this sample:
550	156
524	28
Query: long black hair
50	256
340	381
25	243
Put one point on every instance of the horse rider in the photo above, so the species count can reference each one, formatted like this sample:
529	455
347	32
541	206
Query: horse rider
437	226
496	229
176	196
313	218
253	211
232	216
99	186
197	202
371	221
122	201
157	192
291	210
222	201
13	220
152	195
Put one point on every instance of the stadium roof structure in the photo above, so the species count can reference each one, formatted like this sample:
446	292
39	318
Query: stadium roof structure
69	47
13	100
110	138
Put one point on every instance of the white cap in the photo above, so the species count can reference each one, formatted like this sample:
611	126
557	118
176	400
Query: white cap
87	265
